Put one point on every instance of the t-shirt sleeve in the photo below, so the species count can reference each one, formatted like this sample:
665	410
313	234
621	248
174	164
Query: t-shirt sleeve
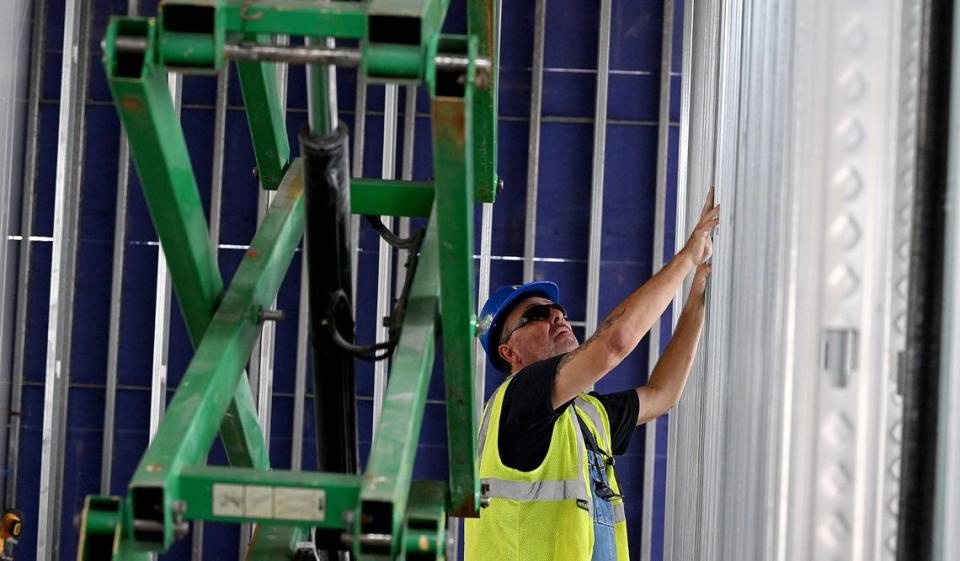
623	408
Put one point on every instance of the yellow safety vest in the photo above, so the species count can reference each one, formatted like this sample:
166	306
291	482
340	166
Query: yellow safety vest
544	514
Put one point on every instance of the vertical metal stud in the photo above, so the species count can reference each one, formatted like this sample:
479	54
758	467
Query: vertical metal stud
406	167
300	368
26	230
695	165
599	149
663	149
116	299
15	32
65	245
216	203
164	297
385	268
300	371
303	334
486	245
359	135
899	274
219	148
533	146
483	292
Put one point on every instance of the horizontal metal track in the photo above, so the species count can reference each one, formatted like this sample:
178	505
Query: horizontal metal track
315	54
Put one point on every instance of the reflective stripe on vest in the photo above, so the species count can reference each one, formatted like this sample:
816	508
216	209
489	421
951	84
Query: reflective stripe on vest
487	411
594	416
535	490
619	514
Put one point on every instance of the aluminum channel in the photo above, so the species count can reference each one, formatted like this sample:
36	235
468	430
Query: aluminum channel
406	168
659	225
162	304
697	152
16	40
533	146
27	202
359	134
599	153
385	252
70	145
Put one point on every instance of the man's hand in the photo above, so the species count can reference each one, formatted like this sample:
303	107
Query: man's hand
699	246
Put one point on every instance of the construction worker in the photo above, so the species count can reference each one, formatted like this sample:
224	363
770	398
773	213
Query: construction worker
546	446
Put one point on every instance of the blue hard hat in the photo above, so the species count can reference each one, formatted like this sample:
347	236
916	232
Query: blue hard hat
498	307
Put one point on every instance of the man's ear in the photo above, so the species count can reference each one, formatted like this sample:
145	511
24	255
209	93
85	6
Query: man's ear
507	353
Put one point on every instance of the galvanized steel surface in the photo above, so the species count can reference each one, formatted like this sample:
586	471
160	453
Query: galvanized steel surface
774	455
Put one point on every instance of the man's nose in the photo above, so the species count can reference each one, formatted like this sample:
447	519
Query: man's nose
556	316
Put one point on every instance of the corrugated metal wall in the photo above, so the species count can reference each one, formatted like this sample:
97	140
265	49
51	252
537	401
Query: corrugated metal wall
119	338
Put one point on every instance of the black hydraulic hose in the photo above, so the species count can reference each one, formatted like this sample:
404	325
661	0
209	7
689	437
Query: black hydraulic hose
327	239
920	383
389	237
384	349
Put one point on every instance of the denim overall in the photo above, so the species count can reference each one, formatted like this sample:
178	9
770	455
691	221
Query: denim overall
604	539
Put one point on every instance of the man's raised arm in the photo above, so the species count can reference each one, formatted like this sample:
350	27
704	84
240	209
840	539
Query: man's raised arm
662	391
621	331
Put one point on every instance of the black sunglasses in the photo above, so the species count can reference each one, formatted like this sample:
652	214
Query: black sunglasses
537	312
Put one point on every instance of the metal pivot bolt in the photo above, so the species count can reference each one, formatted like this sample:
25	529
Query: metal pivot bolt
180	526
271	315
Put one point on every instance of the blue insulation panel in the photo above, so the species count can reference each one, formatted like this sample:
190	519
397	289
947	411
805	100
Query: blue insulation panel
561	239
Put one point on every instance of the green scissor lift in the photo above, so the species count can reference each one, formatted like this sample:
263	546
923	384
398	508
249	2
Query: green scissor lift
382	513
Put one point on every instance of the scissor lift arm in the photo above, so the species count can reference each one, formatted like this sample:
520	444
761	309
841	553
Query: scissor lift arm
381	513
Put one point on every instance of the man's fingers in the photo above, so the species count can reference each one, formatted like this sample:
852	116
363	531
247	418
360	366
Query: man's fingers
710	214
709	202
707	226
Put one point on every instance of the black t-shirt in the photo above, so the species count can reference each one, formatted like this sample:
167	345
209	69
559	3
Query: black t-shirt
527	416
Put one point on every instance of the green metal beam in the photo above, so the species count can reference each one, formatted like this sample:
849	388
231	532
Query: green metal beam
159	152
184	44
228	494
188	429
425	526
261	98
386	482
240	431
482	22
425	16
453	154
347	20
273	543
391	198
